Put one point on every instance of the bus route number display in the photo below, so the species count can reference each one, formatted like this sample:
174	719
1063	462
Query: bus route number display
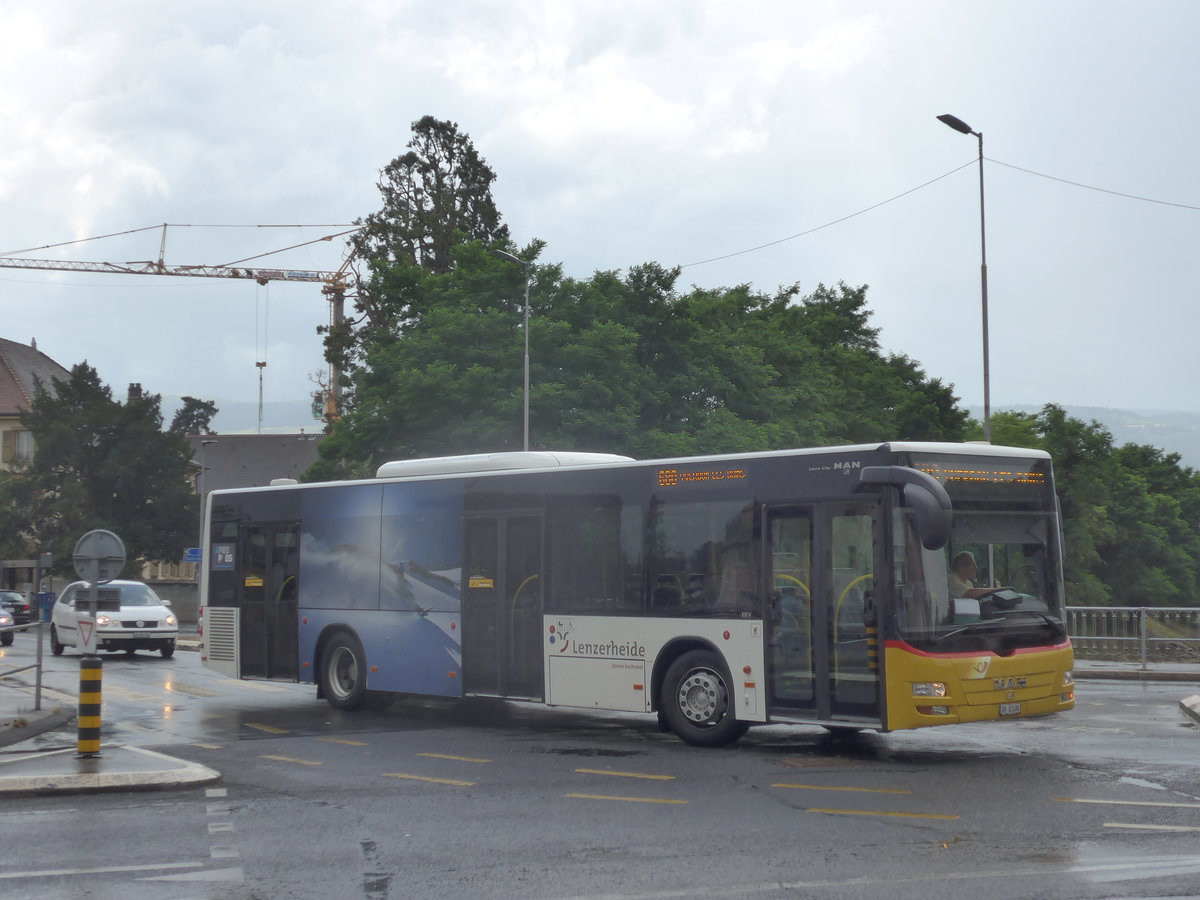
223	557
676	477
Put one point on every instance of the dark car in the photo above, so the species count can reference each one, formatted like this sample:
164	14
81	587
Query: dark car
15	604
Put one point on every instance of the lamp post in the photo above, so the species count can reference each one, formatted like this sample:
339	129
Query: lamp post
501	254
963	128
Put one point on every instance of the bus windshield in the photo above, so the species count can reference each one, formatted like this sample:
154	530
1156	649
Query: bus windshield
997	584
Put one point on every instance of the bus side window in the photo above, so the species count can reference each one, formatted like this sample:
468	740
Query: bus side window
595	552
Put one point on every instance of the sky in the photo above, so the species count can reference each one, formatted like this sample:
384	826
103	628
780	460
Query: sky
757	142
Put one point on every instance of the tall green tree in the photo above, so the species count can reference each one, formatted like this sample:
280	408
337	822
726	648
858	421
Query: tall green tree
194	416
99	463
435	196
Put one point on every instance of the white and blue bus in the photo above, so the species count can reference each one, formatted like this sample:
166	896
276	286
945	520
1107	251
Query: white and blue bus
803	586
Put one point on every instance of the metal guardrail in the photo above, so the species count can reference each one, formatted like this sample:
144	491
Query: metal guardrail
1143	633
36	626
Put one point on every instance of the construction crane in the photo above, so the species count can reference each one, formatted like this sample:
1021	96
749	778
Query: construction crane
333	284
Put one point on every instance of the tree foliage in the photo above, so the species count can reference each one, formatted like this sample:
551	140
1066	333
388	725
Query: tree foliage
625	363
435	196
99	463
1131	514
194	417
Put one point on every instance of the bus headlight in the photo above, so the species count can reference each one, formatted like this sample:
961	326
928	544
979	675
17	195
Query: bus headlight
929	689
1069	677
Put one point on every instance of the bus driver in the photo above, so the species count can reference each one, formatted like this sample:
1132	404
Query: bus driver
961	577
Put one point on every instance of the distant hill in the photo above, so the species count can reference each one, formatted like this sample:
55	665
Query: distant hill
1174	432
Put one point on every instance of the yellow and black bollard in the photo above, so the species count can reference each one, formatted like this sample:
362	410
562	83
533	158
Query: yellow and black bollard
88	742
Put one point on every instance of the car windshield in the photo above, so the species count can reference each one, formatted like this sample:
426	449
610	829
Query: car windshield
138	595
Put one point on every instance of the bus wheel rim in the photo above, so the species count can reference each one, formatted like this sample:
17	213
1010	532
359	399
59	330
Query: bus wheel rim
343	670
702	696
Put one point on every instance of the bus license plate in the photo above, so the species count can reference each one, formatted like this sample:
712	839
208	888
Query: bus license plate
1010	709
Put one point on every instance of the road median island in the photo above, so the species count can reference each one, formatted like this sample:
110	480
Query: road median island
1190	707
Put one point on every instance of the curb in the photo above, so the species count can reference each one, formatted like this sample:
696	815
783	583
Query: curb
169	777
1190	707
11	732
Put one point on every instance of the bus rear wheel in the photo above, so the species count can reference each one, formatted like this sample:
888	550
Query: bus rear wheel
344	672
696	700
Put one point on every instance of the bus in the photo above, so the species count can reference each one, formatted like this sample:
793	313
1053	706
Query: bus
805	586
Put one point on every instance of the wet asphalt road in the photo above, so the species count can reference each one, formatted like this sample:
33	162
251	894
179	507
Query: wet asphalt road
503	800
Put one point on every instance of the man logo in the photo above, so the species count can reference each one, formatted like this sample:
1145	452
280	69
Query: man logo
1004	684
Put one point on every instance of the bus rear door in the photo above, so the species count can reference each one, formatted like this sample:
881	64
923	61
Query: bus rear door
269	568
502	605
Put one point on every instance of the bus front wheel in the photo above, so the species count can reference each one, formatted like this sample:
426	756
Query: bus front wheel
344	672
697	701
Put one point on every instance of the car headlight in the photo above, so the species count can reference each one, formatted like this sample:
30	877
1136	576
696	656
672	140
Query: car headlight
170	620
104	621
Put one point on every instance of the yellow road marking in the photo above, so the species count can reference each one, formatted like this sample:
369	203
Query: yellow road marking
330	740
627	799
470	759
625	774
865	790
868	812
1152	827
1128	803
450	781
270	729
291	759
195	690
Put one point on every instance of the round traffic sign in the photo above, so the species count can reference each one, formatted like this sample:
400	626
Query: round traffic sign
99	557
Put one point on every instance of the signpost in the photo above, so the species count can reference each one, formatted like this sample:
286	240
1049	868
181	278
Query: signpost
99	557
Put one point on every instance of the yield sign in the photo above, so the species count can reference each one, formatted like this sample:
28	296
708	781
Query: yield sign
86	627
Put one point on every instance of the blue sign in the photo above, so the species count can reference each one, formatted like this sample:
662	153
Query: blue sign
191	554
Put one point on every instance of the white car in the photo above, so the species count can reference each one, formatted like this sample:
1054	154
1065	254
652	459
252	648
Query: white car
144	622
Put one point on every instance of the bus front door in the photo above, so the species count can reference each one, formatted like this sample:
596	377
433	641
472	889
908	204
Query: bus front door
795	660
270	564
822	645
502	606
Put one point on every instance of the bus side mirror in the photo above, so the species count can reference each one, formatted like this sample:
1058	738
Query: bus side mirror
922	493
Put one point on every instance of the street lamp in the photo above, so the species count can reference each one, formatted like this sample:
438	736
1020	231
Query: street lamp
963	128
500	254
